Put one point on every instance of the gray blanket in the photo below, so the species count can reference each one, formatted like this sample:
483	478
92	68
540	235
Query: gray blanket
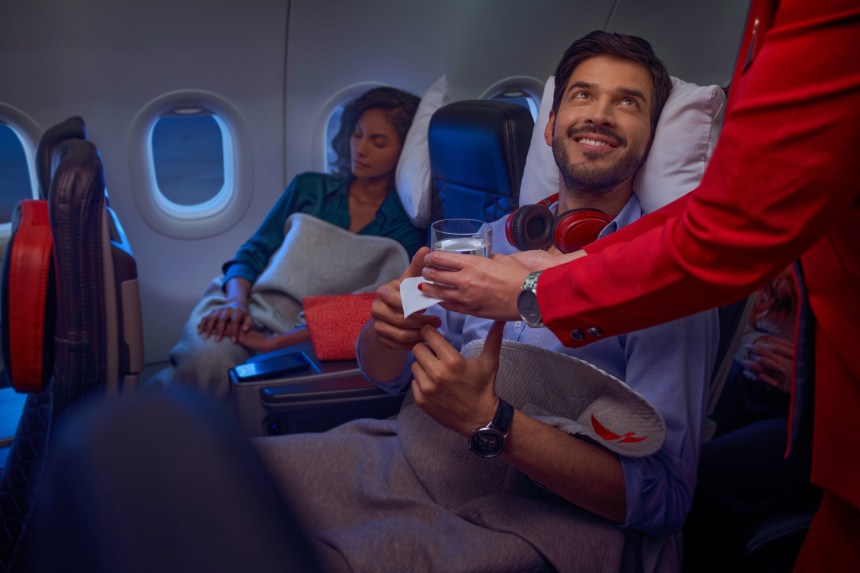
316	258
405	494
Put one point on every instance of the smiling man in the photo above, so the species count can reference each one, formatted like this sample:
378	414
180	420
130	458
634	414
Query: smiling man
610	90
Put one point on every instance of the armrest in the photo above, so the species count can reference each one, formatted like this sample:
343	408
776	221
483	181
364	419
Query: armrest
327	394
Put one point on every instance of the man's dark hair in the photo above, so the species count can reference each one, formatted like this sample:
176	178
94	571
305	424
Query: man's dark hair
600	43
399	107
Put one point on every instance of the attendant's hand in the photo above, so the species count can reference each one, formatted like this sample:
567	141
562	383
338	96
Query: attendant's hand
540	260
475	285
771	360
389	326
459	393
227	320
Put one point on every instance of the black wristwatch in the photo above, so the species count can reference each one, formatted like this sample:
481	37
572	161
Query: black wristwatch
527	302
489	441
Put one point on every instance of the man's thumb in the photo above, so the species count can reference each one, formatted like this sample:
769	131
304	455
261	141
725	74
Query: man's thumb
417	264
493	343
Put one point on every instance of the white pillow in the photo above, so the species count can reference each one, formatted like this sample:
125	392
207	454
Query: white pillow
683	143
413	168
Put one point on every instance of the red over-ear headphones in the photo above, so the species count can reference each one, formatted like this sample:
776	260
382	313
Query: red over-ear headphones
534	227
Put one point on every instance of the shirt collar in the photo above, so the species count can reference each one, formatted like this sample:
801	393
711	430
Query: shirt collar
631	211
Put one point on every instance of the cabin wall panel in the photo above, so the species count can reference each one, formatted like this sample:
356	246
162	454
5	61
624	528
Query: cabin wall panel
280	62
105	60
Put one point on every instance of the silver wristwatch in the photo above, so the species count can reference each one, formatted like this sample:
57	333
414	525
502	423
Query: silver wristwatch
527	302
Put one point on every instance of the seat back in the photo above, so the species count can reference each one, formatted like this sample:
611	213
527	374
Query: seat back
477	156
98	299
95	319
733	319
72	128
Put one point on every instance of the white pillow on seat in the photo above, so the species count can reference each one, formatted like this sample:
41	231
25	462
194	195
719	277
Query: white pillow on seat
412	176
686	134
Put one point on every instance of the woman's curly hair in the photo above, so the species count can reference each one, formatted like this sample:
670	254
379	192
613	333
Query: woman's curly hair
399	107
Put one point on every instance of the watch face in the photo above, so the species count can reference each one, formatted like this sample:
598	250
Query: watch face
487	442
528	307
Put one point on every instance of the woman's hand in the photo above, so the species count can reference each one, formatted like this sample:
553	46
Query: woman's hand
227	320
475	285
257	341
459	393
232	317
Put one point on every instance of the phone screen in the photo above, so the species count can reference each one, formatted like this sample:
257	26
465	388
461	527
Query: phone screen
271	367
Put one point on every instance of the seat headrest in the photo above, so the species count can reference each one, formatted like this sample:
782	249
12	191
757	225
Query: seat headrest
477	154
72	128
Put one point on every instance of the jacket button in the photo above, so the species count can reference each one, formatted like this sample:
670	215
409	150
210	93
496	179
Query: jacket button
594	331
577	334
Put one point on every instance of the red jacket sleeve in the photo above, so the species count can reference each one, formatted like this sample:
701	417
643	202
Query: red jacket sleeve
782	174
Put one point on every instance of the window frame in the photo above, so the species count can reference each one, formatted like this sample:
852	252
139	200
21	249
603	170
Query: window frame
28	132
530	86
218	213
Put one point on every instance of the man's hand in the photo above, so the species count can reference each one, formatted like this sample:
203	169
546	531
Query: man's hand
394	331
459	393
479	286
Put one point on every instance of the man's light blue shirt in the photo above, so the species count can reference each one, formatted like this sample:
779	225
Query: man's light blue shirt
670	365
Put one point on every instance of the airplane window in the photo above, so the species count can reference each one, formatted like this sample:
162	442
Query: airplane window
188	157
191	164
15	179
520	98
331	130
521	90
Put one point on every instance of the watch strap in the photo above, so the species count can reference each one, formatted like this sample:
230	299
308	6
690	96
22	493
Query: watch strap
503	417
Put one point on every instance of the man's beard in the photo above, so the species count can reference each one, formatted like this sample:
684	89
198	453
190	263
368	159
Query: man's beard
588	177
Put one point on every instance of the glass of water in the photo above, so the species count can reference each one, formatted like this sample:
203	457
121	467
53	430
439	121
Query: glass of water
462	236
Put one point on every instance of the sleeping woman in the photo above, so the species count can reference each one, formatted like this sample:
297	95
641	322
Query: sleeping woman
358	198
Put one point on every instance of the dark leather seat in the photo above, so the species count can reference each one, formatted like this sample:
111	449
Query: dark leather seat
96	345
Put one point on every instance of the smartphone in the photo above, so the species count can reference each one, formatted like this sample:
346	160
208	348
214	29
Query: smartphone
272	367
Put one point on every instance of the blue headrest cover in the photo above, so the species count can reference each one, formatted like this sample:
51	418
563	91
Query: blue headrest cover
477	155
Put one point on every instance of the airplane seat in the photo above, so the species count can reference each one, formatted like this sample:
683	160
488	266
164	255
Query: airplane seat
67	326
477	155
774	540
732	322
72	128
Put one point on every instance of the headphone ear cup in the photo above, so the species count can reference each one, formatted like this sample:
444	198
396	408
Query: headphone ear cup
530	227
578	227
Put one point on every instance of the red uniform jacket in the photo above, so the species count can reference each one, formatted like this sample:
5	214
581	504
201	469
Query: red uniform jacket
783	183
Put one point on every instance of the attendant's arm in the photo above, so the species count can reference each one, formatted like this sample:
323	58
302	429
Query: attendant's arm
459	394
485	287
